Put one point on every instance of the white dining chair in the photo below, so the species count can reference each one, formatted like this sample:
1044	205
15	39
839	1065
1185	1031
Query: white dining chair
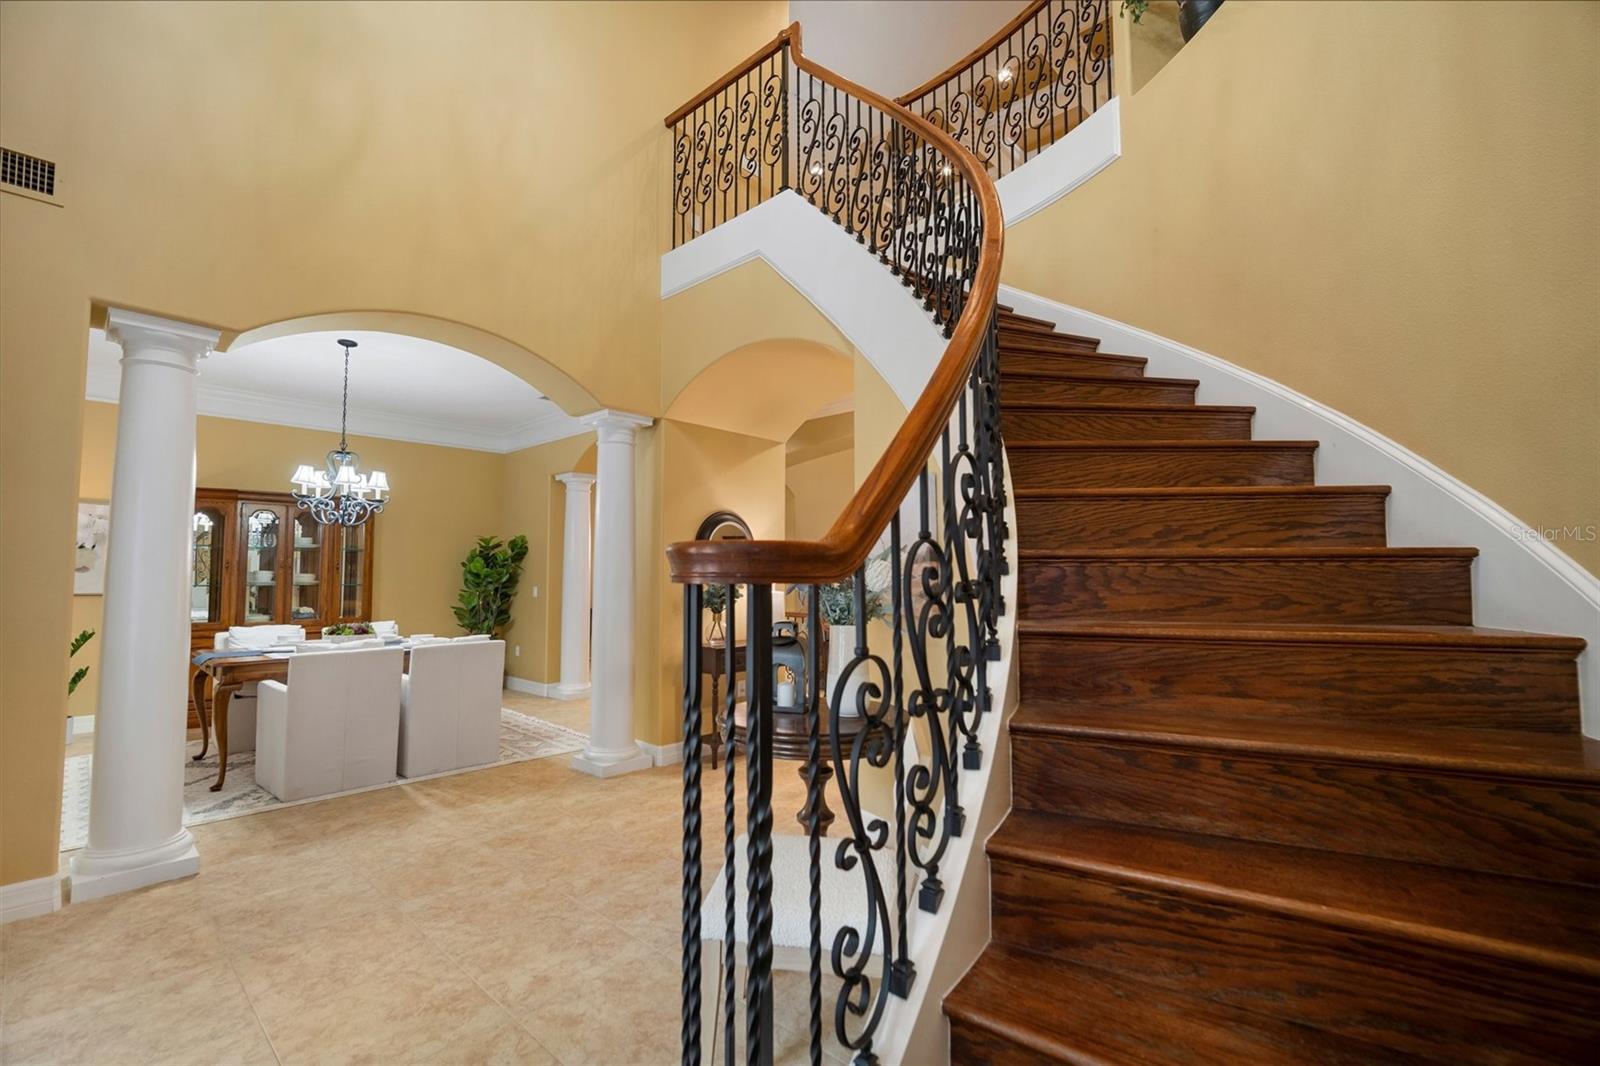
450	706
333	727
242	707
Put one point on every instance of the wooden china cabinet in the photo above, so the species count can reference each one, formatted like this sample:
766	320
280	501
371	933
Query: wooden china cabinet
260	560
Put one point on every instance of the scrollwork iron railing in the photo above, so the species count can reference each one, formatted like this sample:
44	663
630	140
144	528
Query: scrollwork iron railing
1027	86
890	723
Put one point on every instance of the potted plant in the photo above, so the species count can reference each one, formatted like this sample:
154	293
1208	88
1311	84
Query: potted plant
836	603
715	599
489	576
1192	14
83	671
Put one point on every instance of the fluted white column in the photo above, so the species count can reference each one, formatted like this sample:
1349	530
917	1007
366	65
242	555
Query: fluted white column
612	749
136	833
575	560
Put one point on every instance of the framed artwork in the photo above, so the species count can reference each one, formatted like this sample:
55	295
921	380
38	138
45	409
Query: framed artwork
89	558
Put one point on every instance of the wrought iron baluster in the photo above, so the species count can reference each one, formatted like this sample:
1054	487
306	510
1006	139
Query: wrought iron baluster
691	825
813	813
758	823
730	910
904	973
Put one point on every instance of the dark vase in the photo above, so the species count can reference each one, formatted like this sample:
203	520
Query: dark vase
1192	14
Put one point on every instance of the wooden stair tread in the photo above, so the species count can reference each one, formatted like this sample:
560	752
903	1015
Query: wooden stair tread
1536	923
1125	408
1135	445
1049	1008
1204	554
1560	757
1475	637
1212	491
1068	375
1007	315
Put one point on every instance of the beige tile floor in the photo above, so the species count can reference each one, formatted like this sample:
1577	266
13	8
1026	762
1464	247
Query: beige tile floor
522	913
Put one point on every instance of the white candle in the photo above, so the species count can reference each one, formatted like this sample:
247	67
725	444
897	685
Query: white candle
785	694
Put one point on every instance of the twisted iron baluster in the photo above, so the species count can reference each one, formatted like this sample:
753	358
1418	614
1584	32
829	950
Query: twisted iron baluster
730	984
691	825
813	816
958	665
927	569
758	800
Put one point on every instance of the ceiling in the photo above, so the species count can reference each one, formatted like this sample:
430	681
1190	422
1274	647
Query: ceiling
401	388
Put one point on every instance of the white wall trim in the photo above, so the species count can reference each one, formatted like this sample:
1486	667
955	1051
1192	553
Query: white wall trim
29	899
663	754
825	265
531	688
1092	146
1520	580
218	401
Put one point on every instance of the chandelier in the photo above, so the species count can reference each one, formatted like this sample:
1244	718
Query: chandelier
341	495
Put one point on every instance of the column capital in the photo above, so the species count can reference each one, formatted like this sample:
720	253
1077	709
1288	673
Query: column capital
615	427
146	338
576	482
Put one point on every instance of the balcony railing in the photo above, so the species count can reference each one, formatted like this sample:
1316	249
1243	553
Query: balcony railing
1027	86
923	537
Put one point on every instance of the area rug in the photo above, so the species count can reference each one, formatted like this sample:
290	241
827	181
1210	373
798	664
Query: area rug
522	737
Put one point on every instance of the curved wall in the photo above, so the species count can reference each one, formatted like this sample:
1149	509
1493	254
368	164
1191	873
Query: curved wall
1387	207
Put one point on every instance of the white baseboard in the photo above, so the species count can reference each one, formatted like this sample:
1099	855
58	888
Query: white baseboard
29	899
1520	580
532	688
663	754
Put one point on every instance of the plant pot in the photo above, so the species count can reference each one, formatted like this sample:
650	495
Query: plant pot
1192	14
841	649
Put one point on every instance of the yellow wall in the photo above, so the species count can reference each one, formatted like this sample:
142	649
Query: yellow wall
238	164
818	491
445	498
1388	207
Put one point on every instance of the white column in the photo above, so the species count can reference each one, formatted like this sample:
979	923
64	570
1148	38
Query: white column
575	561
136	833
612	749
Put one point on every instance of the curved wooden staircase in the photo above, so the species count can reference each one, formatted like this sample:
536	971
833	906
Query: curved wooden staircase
1276	799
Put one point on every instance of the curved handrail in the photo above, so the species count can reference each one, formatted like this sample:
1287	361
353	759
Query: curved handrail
960	65
851	538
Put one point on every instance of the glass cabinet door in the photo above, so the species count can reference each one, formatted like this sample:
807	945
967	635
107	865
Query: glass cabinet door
306	569
353	573
263	599
205	583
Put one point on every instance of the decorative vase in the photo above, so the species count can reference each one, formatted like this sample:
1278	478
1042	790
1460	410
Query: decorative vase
716	634
841	649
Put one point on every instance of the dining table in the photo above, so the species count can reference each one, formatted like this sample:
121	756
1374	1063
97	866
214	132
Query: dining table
228	672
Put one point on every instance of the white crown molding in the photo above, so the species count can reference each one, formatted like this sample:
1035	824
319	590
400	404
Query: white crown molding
1520	580
103	385
29	899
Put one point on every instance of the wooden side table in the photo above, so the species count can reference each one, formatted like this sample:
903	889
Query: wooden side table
714	661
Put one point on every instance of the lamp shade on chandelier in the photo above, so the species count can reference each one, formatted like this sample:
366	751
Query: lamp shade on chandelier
340	494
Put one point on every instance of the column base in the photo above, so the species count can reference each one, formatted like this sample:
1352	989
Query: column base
565	691
612	763
107	873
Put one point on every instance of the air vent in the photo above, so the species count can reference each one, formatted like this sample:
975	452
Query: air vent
27	172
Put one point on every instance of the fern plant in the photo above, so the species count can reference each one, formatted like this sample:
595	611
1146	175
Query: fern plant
83	671
489	576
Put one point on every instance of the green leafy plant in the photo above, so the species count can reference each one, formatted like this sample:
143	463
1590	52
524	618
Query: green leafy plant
489	576
715	598
349	629
837	603
83	671
1135	9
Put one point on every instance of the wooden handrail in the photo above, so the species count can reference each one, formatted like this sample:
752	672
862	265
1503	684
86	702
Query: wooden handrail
850	540
738	68
904	99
